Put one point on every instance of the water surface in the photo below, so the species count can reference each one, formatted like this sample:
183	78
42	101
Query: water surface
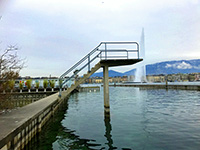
140	119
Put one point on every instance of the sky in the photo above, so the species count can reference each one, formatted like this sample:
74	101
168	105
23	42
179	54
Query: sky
54	35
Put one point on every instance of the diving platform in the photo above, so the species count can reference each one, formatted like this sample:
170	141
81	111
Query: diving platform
119	62
105	55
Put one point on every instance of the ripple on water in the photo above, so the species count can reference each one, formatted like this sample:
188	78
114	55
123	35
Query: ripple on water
140	119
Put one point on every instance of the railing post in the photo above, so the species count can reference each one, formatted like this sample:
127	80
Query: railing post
105	51
89	63
100	55
60	91
60	88
138	51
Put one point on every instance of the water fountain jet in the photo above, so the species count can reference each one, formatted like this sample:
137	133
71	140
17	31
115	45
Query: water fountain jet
140	74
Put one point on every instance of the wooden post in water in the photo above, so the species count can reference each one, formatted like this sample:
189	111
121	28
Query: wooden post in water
106	91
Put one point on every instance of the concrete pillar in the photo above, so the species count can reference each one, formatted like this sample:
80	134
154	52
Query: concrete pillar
106	91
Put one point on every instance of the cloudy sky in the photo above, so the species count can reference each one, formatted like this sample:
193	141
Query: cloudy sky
54	34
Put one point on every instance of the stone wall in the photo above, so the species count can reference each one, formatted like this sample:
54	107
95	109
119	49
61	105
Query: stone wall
23	127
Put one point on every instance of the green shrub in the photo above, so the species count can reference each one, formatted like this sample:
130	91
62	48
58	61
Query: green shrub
52	83
45	83
5	85
21	84
60	83
11	84
37	84
28	83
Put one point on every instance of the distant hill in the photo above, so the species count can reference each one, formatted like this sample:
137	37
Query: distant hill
173	67
130	72
112	73
167	67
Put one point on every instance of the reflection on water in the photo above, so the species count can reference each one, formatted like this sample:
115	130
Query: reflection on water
140	119
108	132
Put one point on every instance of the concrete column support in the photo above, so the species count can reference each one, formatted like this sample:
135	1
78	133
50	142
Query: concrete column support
106	90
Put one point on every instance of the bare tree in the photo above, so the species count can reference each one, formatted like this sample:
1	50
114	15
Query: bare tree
10	64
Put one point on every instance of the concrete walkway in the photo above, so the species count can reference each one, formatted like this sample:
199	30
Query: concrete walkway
12	121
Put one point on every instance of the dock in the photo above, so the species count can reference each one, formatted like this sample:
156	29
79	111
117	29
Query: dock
175	85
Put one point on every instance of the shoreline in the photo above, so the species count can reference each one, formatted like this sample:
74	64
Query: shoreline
168	85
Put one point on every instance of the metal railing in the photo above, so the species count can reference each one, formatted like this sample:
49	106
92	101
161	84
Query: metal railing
103	52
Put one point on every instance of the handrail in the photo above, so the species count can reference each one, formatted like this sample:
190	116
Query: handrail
120	43
100	51
78	63
81	69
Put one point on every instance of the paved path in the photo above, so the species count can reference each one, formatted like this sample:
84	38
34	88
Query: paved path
11	121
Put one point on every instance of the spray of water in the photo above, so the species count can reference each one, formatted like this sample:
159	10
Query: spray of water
140	74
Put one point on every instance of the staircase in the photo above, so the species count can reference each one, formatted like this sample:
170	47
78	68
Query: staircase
81	80
108	54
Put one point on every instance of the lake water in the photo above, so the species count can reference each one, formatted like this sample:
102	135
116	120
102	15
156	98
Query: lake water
140	120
